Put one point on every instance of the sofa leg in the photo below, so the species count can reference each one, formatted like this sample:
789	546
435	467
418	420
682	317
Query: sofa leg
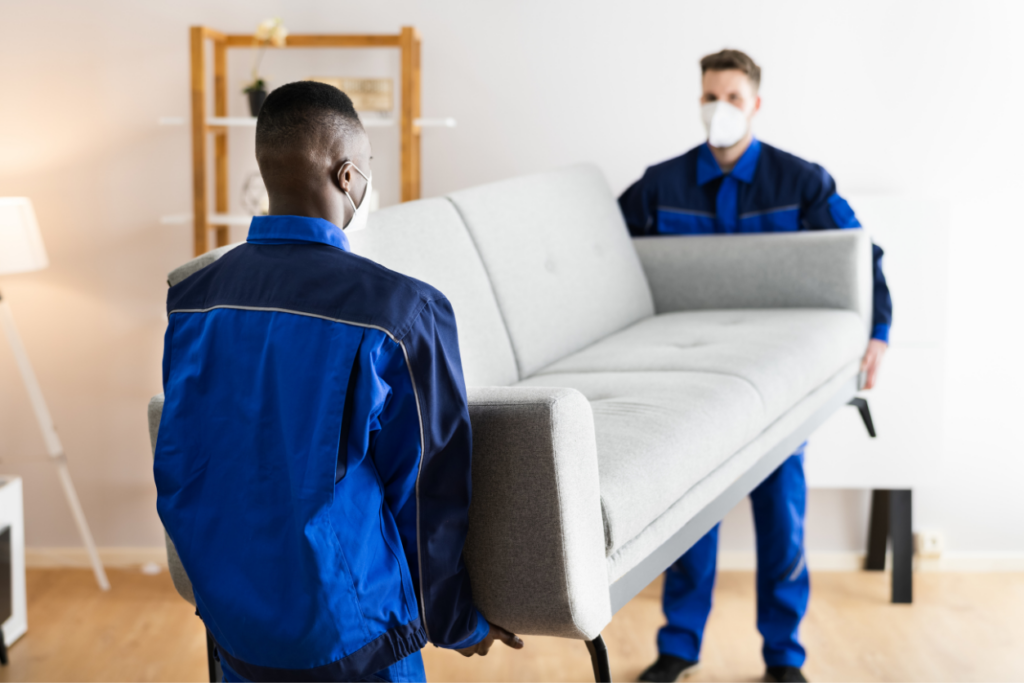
599	658
212	662
861	404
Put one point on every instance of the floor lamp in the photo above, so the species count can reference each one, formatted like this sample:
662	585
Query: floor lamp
21	250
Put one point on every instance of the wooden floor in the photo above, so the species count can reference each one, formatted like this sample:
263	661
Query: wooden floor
962	627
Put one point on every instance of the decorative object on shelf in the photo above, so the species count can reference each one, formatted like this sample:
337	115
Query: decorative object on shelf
22	250
374	96
254	195
211	199
269	32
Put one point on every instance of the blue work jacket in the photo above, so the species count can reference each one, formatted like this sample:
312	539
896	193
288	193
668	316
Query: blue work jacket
313	460
767	191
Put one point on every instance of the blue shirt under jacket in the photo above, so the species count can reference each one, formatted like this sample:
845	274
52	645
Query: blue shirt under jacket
767	191
313	460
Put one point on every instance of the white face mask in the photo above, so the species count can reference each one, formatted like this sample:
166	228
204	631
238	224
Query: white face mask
725	123
359	213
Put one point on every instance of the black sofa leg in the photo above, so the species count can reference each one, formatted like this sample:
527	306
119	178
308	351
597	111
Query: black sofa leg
861	404
212	662
599	658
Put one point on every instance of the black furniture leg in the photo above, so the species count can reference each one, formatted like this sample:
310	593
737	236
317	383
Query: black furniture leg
3	648
900	531
599	658
878	531
861	404
212	661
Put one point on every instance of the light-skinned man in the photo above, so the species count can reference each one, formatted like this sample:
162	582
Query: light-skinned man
735	183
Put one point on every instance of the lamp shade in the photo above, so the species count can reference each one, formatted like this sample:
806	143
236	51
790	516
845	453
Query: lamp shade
21	245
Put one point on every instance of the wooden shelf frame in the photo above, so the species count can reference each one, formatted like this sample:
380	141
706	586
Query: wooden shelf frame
408	42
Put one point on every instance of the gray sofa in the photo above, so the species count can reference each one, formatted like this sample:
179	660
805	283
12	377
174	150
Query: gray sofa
625	393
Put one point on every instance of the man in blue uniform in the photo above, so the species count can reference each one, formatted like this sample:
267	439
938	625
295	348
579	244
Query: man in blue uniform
313	462
737	184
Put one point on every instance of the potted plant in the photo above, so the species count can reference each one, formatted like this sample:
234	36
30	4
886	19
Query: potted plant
269	32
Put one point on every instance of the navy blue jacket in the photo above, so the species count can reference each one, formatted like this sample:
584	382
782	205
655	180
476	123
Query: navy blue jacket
313	460
767	191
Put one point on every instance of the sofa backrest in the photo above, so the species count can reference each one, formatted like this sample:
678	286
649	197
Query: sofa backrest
560	261
427	240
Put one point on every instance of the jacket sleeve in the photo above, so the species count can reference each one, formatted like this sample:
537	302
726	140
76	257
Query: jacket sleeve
825	209
427	415
639	209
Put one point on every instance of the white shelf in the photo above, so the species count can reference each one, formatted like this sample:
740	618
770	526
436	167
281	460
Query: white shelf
212	219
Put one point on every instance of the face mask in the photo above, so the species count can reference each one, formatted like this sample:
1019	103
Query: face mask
726	124
359	213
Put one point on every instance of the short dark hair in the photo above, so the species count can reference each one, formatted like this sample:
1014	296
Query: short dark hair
304	111
732	59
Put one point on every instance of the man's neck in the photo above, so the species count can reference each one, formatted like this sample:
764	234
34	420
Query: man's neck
728	156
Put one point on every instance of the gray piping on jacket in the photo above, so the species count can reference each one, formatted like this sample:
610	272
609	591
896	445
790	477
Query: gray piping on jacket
751	214
686	212
419	413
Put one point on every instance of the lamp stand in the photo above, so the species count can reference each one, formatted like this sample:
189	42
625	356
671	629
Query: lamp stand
53	444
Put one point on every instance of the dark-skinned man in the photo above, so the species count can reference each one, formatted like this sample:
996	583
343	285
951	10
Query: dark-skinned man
313	461
736	184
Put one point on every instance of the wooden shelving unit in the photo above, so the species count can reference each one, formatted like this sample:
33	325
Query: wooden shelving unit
407	41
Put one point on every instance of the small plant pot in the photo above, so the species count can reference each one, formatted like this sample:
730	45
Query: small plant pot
256	98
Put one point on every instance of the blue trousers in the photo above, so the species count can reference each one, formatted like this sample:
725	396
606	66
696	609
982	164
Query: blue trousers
408	670
783	584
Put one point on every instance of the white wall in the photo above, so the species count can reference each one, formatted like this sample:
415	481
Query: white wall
910	97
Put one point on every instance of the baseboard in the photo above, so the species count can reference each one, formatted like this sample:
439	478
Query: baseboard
728	560
36	558
846	561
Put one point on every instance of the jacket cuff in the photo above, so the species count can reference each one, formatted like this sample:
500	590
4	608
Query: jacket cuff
880	332
483	627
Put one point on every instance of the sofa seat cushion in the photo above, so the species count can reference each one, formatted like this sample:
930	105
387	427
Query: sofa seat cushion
782	353
677	395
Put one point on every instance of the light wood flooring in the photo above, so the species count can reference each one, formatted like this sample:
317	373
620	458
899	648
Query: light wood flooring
962	627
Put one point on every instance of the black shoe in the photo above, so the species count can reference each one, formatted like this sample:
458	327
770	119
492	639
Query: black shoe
784	674
668	669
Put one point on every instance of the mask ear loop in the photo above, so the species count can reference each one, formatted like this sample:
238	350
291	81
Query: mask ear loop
345	192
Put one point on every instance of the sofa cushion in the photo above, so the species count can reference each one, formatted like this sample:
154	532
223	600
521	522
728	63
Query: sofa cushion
658	434
560	259
782	353
677	395
428	241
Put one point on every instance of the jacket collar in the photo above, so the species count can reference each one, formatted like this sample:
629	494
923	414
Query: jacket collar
708	168
292	229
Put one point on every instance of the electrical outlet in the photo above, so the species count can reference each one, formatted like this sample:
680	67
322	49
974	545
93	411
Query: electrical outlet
929	544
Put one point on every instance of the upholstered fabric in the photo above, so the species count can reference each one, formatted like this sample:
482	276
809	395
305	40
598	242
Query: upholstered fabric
781	353
428	241
178	576
676	395
535	548
662	528
198	263
814	269
558	255
658	434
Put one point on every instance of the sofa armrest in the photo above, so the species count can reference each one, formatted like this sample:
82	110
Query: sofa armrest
807	269
178	575
198	263
536	549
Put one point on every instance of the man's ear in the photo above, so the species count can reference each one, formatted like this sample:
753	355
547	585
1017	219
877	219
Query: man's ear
757	105
343	176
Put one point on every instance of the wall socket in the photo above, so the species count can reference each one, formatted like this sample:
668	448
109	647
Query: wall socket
929	544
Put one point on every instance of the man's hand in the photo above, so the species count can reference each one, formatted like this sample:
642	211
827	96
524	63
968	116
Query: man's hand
484	646
872	360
